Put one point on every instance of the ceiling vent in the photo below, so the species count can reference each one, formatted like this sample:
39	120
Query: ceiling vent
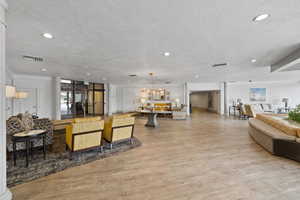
33	59
132	75
220	65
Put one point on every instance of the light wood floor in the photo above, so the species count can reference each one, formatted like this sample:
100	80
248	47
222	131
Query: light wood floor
208	157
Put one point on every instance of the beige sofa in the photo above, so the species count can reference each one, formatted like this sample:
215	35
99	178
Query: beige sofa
276	134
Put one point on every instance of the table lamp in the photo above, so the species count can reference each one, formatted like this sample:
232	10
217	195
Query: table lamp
21	95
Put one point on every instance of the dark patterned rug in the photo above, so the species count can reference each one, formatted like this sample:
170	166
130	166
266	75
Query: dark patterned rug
57	160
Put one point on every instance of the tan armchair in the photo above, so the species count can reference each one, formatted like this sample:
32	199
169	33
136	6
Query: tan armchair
84	133
249	112
118	128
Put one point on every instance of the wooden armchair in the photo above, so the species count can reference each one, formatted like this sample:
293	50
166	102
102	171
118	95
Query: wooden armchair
118	128
84	134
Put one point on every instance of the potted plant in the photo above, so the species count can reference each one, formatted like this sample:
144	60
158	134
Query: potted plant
295	114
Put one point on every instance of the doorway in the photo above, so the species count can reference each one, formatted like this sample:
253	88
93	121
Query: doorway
205	101
80	99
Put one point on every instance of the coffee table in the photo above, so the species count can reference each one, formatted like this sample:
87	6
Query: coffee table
27	137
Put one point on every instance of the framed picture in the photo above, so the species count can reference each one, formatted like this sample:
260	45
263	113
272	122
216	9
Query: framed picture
258	94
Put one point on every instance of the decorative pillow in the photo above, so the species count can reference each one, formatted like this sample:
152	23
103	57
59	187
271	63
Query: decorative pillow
27	121
14	125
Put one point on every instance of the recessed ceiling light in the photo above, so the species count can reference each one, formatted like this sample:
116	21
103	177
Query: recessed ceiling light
167	54
104	79
88	73
43	69
197	76
66	81
253	60
261	17
48	35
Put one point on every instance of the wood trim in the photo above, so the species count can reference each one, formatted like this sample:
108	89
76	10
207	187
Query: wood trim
86	133
117	127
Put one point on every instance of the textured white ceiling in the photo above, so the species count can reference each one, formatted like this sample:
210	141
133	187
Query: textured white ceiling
115	38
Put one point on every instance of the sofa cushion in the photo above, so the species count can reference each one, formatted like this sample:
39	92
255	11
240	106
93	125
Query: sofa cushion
269	130
278	122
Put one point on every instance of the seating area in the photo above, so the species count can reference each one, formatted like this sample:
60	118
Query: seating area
83	139
276	134
163	100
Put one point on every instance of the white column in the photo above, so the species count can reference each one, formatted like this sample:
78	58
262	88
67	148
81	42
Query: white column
224	98
187	98
56	95
4	192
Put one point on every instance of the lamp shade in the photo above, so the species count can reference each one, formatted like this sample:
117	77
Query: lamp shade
21	95
143	100
10	91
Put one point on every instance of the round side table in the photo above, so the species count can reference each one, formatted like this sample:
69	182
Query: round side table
26	137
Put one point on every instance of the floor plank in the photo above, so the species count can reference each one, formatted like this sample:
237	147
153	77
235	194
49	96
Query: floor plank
206	157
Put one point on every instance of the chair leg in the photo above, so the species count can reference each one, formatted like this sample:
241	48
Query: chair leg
101	149
71	155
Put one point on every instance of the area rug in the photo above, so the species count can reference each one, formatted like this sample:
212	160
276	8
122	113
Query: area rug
58	161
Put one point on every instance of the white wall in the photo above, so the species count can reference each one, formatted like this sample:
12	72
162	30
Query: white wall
275	92
45	94
125	98
199	100
216	104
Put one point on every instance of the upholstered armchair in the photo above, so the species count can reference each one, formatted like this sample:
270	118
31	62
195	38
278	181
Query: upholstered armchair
118	128
249	112
15	125
84	134
242	112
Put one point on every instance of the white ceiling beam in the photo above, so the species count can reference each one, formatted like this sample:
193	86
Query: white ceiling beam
287	62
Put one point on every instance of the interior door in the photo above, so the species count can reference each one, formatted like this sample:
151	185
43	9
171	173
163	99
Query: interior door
99	102
29	104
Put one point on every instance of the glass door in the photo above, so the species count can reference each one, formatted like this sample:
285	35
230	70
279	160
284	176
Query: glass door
90	102
79	99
